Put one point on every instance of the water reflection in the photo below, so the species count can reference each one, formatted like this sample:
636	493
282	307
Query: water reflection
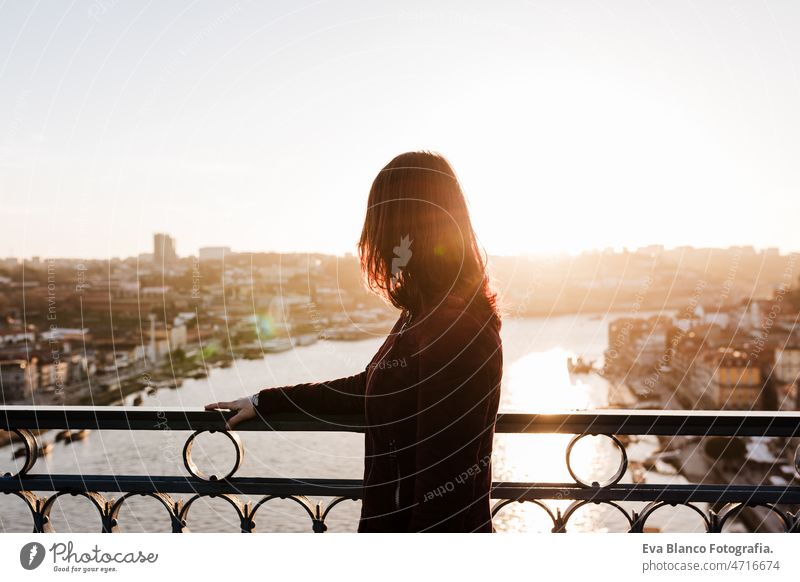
539	381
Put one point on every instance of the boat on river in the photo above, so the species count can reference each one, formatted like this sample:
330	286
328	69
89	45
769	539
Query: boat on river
63	435
80	435
278	344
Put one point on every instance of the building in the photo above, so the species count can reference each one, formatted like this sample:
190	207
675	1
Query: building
18	379
787	376
738	383
214	253
53	372
788	394
689	374
636	341
163	249
787	364
117	297
164	339
10	336
724	378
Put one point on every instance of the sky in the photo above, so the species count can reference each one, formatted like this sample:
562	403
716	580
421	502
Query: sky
260	126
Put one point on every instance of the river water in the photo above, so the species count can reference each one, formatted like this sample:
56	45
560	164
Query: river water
535	380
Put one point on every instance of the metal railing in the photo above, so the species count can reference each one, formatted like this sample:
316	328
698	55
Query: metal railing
23	421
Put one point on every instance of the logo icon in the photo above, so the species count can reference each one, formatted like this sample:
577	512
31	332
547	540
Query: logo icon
31	555
402	254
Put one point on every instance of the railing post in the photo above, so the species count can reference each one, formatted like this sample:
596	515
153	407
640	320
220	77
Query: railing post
318	521
110	524
560	525
41	521
637	526
177	518
248	524
713	522
795	528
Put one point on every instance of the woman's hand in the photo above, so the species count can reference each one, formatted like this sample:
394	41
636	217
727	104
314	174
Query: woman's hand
243	407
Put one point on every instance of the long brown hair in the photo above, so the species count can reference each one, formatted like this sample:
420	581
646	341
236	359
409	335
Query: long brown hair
418	245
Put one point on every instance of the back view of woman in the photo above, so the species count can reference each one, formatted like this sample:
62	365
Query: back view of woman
431	392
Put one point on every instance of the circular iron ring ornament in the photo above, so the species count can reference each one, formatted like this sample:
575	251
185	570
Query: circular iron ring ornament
242	510
34	504
653	506
578	503
99	502
31	451
314	510
195	471
173	508
502	503
733	509
623	463
333	504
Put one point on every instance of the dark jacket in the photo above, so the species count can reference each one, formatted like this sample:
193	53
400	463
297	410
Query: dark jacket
430	397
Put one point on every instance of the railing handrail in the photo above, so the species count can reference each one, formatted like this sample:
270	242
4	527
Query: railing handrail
612	421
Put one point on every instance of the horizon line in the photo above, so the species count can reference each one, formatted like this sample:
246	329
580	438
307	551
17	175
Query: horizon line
529	254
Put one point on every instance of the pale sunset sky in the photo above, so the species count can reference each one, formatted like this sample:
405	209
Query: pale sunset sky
260	126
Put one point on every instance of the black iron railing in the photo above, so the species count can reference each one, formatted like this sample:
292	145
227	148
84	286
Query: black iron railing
729	499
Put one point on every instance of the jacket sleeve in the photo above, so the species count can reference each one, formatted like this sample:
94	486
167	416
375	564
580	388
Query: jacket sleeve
340	396
456	411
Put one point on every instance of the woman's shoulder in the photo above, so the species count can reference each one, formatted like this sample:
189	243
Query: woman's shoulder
455	316
458	341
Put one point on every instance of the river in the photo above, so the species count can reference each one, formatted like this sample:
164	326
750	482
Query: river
535	379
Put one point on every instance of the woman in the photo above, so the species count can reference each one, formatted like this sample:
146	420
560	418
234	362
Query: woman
431	392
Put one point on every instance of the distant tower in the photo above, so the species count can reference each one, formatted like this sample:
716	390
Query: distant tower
163	248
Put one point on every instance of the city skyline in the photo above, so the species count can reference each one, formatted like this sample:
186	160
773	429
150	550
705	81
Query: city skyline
230	250
256	128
